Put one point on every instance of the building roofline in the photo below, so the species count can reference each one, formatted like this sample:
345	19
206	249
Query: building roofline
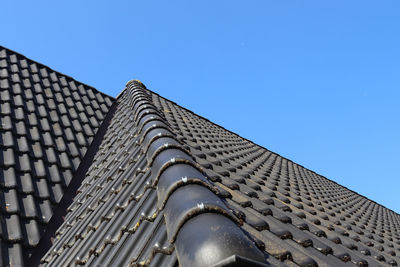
58	72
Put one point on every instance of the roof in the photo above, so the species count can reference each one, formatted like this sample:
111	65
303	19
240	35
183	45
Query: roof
161	186
48	121
295	216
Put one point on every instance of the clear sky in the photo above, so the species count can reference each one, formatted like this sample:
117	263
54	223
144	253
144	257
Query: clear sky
316	81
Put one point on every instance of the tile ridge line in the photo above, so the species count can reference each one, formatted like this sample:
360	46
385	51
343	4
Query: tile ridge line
184	192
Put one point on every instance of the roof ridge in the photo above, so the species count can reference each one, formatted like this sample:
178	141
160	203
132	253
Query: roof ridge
322	176
58	72
192	208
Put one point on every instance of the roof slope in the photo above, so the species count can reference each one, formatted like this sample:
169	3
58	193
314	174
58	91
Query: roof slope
293	215
48	121
300	216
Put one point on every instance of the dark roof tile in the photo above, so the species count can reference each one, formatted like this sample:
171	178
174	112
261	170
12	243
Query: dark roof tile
34	133
5	108
10	201
32	232
54	173
65	160
28	207
15	78
7	157
8	178
56	193
45	211
13	228
26	185
4	84
20	128
41	188
7	139
6	123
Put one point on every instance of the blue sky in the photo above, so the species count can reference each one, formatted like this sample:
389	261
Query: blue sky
315	81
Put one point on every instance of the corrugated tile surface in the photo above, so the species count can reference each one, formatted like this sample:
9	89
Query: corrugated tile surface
301	217
47	122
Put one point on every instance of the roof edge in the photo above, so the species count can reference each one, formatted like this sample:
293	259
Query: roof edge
58	72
